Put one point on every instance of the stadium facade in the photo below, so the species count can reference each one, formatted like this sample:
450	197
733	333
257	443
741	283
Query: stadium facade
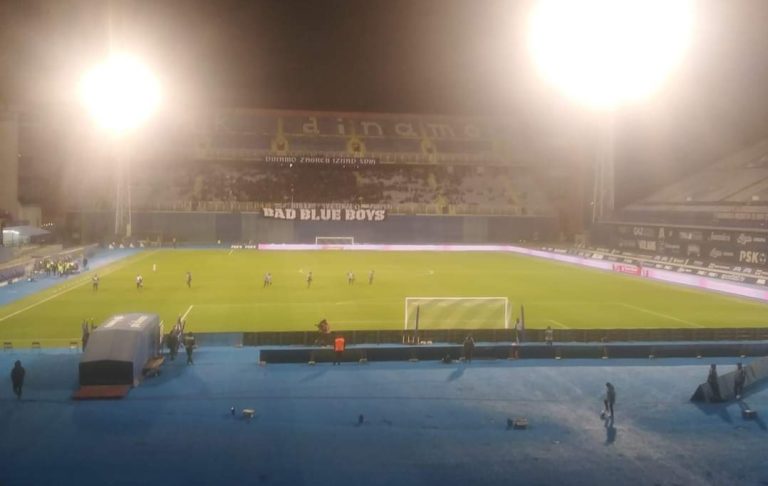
288	176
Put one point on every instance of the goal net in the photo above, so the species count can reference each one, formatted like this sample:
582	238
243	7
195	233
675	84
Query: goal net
456	313
334	240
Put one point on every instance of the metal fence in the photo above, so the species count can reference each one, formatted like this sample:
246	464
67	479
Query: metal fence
308	338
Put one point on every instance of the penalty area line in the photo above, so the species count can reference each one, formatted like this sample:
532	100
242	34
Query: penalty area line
558	324
659	314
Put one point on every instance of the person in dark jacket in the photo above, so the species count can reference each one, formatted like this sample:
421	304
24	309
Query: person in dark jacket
714	383
609	400
17	378
189	346
173	343
86	334
469	348
738	381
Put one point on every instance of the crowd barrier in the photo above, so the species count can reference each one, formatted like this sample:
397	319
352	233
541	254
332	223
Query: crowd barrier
633	342
521	351
684	335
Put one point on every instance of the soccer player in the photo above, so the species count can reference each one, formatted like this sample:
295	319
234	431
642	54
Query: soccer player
370	277
350	278
267	279
189	279
309	279
139	282
154	267
95	282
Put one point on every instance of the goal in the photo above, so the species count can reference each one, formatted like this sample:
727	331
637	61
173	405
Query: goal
334	240
456	313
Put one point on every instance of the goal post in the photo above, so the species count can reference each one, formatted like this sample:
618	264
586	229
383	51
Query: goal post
422	313
334	240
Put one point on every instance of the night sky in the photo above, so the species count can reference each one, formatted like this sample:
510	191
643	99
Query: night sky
422	56
433	56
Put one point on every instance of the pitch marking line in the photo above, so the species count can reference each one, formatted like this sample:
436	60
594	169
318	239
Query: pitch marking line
559	324
659	314
73	287
189	309
230	251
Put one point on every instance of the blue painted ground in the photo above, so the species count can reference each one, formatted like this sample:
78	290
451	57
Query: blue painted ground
21	289
424	423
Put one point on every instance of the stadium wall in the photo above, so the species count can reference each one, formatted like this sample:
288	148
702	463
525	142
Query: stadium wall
202	227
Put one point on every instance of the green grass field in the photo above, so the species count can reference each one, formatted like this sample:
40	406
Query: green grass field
227	293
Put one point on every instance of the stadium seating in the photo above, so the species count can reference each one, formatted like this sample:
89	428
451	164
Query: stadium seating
732	193
466	189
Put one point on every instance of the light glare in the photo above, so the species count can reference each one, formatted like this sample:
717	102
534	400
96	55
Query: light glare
121	93
607	52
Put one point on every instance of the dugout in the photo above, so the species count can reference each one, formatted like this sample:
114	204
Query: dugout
119	348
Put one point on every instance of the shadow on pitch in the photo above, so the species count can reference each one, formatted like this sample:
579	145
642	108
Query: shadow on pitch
317	374
719	409
456	374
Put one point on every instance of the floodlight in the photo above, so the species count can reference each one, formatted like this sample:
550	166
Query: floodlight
607	52
120	93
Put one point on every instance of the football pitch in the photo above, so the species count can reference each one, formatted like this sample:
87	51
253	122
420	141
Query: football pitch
227	294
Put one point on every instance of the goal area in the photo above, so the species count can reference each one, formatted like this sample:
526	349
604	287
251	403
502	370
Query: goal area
334	240
423	313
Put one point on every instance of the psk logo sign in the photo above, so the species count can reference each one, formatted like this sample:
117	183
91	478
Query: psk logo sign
758	257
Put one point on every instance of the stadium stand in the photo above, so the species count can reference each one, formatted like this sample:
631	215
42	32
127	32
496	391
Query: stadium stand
732	192
459	186
717	217
243	161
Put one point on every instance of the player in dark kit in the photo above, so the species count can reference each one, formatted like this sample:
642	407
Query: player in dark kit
309	279
189	279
